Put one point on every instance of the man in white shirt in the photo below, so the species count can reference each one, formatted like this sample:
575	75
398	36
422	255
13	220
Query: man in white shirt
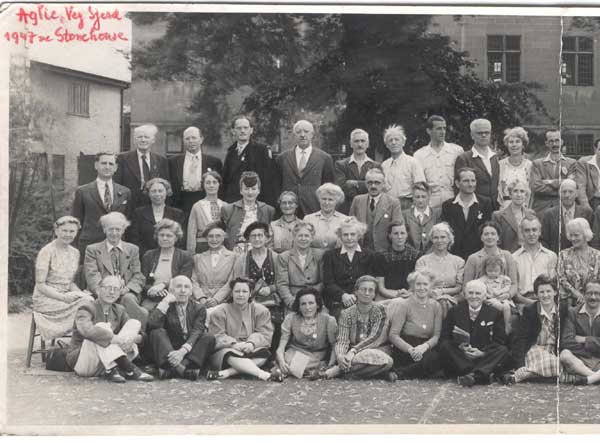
532	259
437	160
401	170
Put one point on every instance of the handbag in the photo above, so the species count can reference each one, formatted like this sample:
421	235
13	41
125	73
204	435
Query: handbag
56	360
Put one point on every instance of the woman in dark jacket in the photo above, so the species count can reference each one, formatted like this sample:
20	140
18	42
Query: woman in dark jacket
535	346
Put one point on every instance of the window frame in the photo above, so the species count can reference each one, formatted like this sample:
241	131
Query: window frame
504	54
575	55
78	98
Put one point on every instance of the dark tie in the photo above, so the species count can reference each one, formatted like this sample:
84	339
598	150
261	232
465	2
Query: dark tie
146	169
114	258
107	199
372	204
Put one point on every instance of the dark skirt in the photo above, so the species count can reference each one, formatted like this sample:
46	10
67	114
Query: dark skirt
426	367
219	359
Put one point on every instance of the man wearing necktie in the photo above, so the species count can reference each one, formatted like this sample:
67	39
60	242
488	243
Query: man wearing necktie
139	165
187	170
177	330
247	155
421	217
377	210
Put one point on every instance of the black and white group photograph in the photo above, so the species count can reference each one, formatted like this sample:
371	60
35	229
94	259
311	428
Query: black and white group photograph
305	217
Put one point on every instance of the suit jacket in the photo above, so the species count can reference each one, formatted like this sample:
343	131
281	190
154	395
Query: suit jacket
509	238
213	282
292	276
418	232
182	264
128	174
255	157
232	215
387	211
339	274
84	327
486	331
530	325
578	323
344	171
550	225
587	178
544	195
195	316
176	173
98	264
487	185
466	232
88	207
318	170
141	232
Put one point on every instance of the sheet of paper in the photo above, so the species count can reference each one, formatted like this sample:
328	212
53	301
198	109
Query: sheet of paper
298	364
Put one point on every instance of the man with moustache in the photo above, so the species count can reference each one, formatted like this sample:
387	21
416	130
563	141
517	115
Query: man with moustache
139	165
186	171
350	172
247	155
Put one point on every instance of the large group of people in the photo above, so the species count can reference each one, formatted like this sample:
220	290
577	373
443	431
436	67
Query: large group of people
447	263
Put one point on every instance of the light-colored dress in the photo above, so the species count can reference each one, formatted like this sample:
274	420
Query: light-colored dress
200	217
509	173
316	342
56	268
448	270
325	229
282	234
575	269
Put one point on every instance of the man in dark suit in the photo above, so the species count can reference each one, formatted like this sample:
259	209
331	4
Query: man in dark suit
246	155
483	352
138	166
350	172
482	160
186	171
558	216
177	328
377	210
587	175
98	198
547	173
466	213
420	218
305	168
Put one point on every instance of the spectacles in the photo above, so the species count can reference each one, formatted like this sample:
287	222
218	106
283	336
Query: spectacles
111	288
257	236
374	183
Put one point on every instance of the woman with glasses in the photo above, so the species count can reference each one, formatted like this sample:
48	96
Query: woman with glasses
282	229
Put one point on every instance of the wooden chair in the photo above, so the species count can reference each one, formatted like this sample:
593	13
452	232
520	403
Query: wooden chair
42	349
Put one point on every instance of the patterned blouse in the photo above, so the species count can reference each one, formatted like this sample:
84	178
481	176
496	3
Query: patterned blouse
575	269
358	334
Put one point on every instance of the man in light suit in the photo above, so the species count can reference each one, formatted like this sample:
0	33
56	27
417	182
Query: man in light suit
587	176
547	173
139	165
558	216
98	198
186	171
247	155
350	172
116	257
177	333
421	217
482	160
484	352
377	210
305	168
466	213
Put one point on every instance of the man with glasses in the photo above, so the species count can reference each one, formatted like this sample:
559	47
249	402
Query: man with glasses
483	160
377	210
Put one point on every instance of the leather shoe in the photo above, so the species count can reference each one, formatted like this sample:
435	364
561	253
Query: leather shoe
508	378
115	376
466	380
165	374
137	374
580	380
191	374
392	376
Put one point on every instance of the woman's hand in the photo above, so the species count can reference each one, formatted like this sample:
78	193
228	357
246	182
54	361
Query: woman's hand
348	299
211	303
156	290
70	297
264	292
346	360
418	351
285	368
244	347
578	297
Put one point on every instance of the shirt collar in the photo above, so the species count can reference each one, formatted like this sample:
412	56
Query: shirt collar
376	198
335	214
477	154
549	159
474	311
139	154
592	161
307	150
546	314
103	182
242	146
425	212
584	310
189	155
353	160
110	247
344	251
461	202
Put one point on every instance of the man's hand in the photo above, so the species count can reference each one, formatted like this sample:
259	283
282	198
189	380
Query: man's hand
158	290
473	353
175	357
169	298
348	299
579	339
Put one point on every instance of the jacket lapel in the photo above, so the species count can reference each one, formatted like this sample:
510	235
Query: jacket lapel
105	257
125	258
479	163
96	196
149	215
311	161
380	209
119	196
132	163
509	216
291	159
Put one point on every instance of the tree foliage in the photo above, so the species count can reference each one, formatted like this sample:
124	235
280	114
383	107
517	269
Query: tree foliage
365	71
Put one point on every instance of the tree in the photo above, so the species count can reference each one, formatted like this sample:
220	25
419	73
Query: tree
365	71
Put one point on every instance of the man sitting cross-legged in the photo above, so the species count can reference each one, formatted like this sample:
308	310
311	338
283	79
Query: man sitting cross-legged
178	337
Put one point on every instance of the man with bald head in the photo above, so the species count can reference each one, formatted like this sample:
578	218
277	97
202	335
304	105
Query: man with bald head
177	333
305	168
473	340
187	169
483	160
559	216
139	165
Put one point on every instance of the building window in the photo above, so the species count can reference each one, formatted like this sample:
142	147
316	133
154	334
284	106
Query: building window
174	142
504	58
578	145
577	67
79	99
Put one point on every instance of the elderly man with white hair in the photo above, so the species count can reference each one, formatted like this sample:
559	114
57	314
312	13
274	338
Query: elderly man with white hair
473	346
139	165
483	160
305	168
401	170
350	172
115	257
186	171
558	216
